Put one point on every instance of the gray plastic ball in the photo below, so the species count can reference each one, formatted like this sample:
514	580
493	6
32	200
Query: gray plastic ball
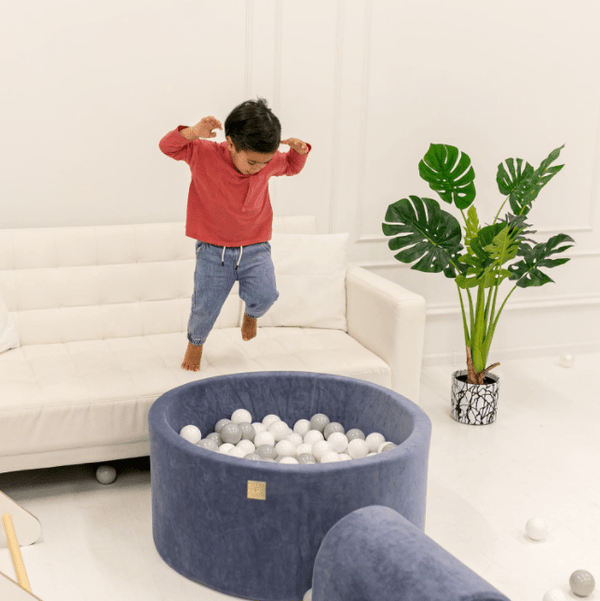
106	474
216	437
248	432
253	457
355	433
209	444
266	451
222	422
332	427
306	458
231	433
318	422
388	447
582	583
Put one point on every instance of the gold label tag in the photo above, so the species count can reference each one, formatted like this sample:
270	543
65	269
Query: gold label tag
257	490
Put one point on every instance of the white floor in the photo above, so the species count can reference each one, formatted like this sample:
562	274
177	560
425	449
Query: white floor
541	458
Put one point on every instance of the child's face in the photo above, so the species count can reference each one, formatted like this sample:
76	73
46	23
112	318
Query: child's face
248	162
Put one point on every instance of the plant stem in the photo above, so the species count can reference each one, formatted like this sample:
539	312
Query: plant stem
501	207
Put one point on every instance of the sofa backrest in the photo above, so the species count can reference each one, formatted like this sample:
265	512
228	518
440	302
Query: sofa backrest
85	283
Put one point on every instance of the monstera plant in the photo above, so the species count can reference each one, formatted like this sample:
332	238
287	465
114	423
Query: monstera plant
479	258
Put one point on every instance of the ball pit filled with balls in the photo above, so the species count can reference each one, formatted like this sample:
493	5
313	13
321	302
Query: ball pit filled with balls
281	458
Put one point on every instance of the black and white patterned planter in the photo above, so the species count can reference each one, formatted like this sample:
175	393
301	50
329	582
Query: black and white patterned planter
474	404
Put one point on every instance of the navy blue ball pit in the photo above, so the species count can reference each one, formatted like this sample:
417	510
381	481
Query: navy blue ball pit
207	528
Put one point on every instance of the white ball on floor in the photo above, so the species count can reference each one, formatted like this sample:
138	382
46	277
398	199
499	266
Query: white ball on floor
106	474
307	595
555	595
536	529
567	360
241	415
191	433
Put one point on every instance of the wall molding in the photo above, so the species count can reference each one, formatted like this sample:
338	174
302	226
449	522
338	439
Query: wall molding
548	304
457	359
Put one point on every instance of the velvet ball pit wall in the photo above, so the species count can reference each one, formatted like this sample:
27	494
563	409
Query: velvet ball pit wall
253	529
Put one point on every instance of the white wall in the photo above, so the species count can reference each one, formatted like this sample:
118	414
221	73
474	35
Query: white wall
88	89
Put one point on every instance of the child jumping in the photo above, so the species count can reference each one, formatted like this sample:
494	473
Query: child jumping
229	213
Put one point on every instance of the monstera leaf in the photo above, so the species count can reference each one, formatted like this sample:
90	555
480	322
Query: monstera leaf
424	234
448	171
522	184
527	271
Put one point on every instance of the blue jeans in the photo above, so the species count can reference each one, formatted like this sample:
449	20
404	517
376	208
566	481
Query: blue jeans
217	269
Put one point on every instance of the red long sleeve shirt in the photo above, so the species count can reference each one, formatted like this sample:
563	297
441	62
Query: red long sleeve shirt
226	207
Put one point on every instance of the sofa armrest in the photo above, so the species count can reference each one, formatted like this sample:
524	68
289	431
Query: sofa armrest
389	320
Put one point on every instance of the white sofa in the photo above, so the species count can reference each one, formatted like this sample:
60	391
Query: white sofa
101	315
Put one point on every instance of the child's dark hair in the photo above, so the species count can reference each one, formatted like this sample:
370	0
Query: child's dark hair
252	126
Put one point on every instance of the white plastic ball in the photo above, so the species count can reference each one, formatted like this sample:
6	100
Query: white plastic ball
345	457
285	448
264	438
555	595
237	452
330	457
302	426
536	529
191	433
374	440
279	430
307	595
357	448
288	459
338	442
247	446
371	454
295	439
567	360
106	474
259	427
269	419
313	436
219	425
225	448
321	448
241	415
303	448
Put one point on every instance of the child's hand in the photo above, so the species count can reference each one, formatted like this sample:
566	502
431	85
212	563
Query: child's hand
298	145
204	128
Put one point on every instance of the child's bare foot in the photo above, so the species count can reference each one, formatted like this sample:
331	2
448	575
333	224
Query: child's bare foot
248	327
191	361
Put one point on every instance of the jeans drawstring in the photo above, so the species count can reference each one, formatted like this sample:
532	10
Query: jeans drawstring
239	258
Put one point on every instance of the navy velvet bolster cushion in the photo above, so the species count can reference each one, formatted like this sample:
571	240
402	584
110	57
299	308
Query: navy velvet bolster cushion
211	526
374	554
